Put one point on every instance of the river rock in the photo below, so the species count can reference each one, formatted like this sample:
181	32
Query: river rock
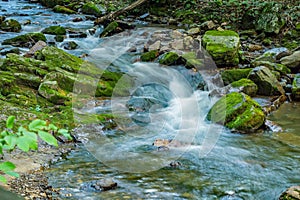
193	31
282	69
266	81
149	56
237	111
192	60
169	58
26	40
292	61
232	75
99	185
223	46
292	193
296	87
63	9
90	8
10	25
246	86
2	18
55	30
71	45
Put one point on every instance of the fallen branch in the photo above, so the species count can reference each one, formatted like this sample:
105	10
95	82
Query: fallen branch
111	16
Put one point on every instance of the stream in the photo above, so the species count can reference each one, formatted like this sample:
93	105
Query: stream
216	163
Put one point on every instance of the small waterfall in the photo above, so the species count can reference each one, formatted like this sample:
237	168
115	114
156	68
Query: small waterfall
163	104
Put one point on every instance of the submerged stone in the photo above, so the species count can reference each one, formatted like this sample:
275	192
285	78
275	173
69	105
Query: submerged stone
223	46
237	111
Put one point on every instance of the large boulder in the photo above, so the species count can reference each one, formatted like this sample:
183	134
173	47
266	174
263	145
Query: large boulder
266	81
10	25
223	46
26	40
237	111
232	75
292	61
296	87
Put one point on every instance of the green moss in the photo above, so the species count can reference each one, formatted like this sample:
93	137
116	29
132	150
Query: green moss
10	25
169	58
223	46
110	29
7	82
247	86
237	111
91	8
26	40
57	58
296	87
232	75
16	64
55	30
149	56
63	9
191	60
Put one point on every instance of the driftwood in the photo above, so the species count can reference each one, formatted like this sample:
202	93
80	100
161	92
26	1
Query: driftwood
111	16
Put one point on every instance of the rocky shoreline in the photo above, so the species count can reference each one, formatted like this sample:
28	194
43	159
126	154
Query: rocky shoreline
34	81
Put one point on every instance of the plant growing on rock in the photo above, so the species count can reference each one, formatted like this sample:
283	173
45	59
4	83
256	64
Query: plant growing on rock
26	138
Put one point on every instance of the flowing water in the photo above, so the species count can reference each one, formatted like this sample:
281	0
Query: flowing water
216	164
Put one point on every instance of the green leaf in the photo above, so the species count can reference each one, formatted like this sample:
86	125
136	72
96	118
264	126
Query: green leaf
52	127
11	141
29	134
37	124
14	174
23	144
10	122
4	133
47	137
7	166
3	179
65	133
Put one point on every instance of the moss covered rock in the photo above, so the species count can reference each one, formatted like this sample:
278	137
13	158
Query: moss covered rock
246	86
26	40
169	58
266	81
10	25
292	61
90	8
149	56
232	75
51	91
282	69
7	82
223	46
55	30
63	9
296	87
192	61
237	111
57	58
110	29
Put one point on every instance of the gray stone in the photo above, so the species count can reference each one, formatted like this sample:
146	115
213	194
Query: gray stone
266	81
291	61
